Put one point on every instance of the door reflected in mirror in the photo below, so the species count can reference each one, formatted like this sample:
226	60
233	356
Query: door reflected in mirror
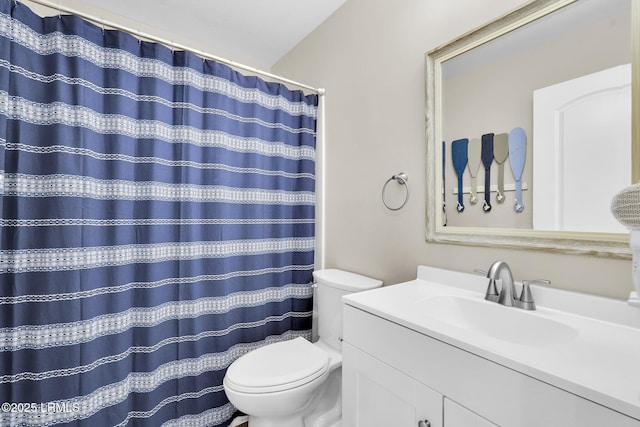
583	127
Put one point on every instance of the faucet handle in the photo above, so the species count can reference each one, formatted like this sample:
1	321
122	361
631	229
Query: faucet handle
526	283
526	298
492	290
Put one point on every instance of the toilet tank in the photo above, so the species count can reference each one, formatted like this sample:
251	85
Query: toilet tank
332	285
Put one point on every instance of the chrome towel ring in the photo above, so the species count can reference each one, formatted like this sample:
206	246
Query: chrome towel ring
402	179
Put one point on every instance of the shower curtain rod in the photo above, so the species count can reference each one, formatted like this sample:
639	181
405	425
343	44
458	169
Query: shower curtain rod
105	23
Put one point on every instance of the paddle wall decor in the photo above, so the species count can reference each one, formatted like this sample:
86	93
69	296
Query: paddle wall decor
495	152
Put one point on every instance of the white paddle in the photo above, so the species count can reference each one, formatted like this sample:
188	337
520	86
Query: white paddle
474	149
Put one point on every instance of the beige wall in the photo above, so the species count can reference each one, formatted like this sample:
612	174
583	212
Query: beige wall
370	58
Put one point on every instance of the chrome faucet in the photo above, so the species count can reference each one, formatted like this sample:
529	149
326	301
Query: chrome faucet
500	270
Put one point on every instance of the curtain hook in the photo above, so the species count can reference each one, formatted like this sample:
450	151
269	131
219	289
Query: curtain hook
59	11
102	21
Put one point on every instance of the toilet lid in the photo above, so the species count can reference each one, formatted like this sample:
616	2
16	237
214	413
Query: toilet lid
276	367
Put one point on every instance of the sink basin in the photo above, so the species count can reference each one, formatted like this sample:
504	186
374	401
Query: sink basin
497	321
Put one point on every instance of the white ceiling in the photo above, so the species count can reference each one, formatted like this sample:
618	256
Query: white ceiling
259	31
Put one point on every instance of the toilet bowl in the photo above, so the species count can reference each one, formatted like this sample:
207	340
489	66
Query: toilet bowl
275	383
297	383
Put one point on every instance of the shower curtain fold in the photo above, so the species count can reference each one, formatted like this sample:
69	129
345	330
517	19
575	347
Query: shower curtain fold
157	222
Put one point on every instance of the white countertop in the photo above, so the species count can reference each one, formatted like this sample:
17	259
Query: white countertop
600	362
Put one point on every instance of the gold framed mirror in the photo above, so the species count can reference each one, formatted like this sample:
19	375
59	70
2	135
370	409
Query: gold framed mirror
498	79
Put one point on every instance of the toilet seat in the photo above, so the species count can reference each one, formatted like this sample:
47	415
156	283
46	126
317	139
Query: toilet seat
277	367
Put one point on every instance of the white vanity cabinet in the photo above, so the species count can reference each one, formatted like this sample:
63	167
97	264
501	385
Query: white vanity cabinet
378	395
394	376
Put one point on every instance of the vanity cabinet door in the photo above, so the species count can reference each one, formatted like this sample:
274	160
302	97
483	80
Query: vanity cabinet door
377	395
458	416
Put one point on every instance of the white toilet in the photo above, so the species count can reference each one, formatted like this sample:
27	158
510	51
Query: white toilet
296	383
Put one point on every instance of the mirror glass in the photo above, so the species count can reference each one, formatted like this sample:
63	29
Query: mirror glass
536	107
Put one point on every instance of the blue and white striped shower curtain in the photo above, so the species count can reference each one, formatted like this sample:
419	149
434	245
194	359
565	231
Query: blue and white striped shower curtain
157	221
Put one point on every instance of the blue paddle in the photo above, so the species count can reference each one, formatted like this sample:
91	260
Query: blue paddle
444	185
517	155
459	157
487	159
